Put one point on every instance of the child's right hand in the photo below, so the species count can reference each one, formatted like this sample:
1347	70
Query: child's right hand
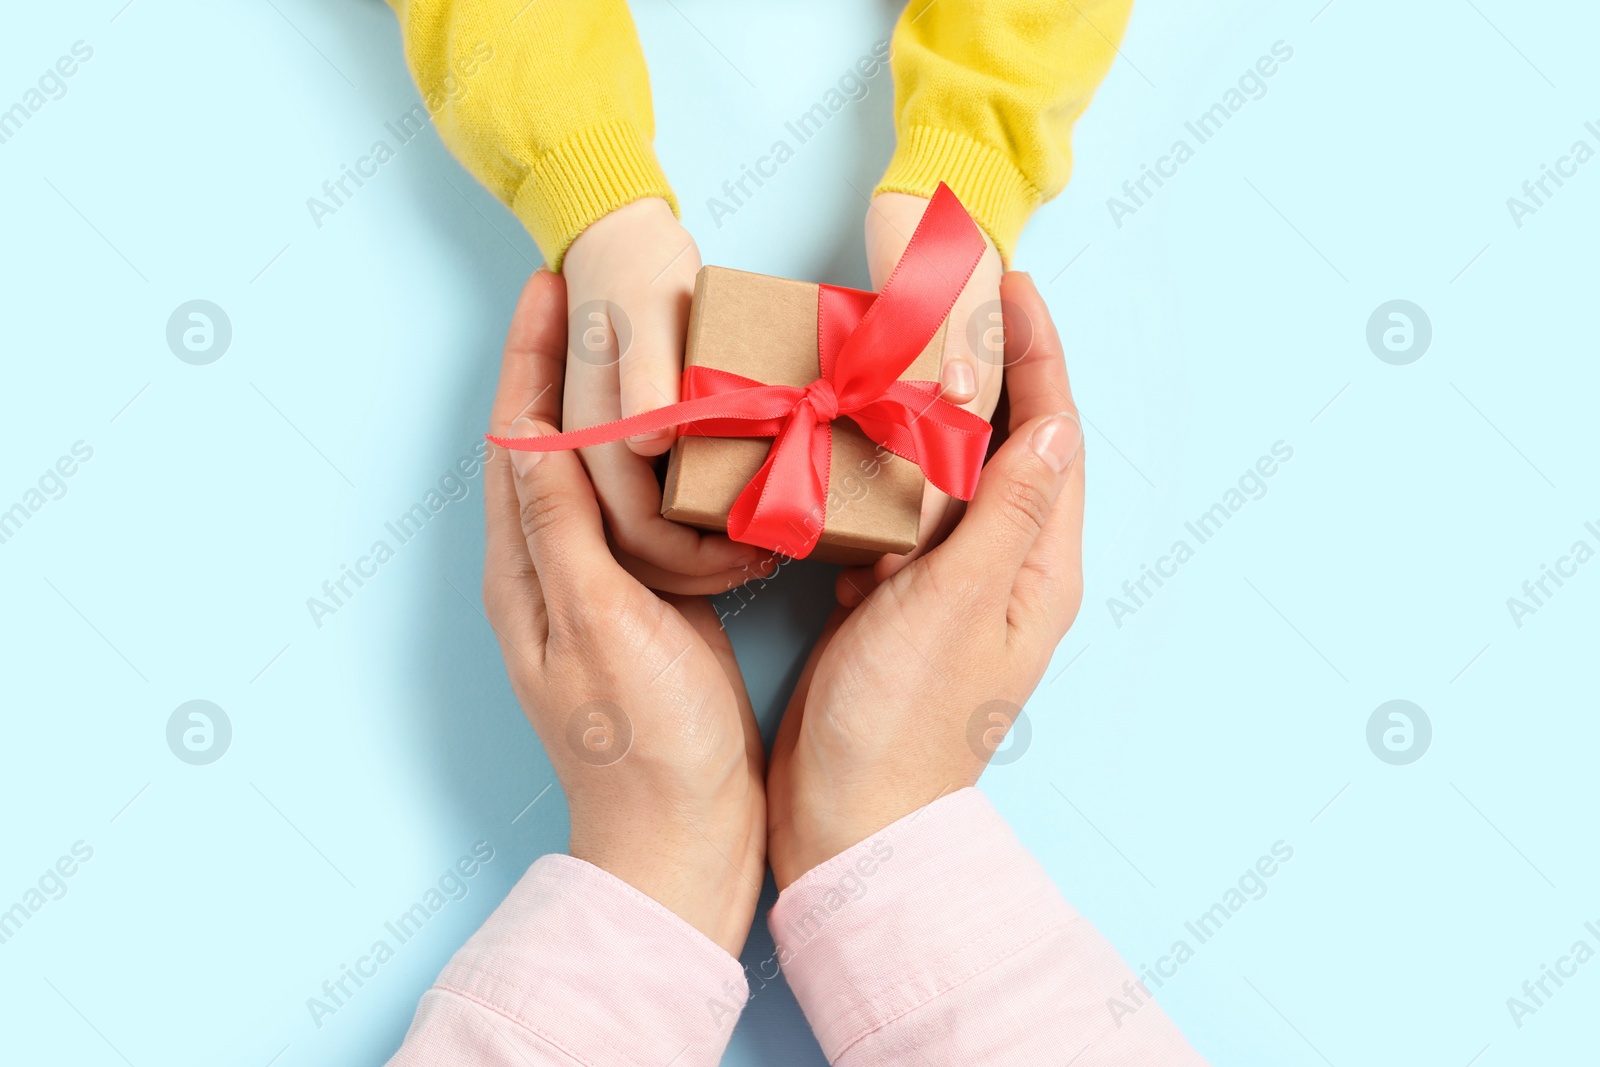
630	279
974	362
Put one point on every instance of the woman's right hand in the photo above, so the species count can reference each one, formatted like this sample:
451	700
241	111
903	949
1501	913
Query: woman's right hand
907	695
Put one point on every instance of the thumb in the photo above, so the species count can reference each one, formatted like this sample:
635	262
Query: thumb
1016	494
561	523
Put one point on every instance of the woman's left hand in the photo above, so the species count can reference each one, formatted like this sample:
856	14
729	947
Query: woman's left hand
637	698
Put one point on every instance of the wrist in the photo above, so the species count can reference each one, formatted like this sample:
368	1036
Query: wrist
813	836
616	232
706	868
830	814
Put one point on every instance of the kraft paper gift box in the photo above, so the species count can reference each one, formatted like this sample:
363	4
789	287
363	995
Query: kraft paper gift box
765	328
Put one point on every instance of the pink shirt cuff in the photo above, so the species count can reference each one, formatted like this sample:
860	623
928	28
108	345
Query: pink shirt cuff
578	966
941	937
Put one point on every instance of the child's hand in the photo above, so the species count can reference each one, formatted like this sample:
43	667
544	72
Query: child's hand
630	278
974	361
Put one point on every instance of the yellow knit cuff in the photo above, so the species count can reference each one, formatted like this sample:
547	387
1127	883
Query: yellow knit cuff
586	177
987	182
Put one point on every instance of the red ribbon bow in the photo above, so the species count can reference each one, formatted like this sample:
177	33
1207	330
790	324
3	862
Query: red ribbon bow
865	341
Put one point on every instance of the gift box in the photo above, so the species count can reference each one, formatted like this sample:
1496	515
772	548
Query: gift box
811	414
766	329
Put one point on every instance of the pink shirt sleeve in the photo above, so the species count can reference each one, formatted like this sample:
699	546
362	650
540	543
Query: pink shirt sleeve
578	967
942	941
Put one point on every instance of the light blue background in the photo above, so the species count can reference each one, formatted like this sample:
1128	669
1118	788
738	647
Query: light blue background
1168	753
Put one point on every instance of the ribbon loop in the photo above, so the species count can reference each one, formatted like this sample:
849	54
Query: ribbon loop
864	343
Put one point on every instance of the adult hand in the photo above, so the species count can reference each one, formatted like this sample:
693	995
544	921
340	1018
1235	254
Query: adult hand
637	699
900	700
630	277
970	376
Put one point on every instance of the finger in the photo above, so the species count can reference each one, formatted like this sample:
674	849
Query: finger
958	375
560	523
854	584
532	366
630	499
630	495
1036	369
530	382
1032	363
968	376
1016	494
940	514
650	363
665	581
974	350
1049	588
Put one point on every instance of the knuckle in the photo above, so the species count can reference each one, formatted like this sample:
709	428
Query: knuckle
493	605
1027	504
1071	602
584	617
572	625
633	371
640	354
501	589
540	513
646	384
1056	592
954	584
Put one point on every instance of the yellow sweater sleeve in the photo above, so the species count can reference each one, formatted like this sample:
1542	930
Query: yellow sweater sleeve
546	102
986	94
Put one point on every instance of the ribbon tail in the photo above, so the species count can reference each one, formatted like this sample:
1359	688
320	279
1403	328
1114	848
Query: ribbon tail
785	504
946	441
939	259
760	407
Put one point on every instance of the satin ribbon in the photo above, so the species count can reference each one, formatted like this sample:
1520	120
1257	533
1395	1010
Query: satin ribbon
865	341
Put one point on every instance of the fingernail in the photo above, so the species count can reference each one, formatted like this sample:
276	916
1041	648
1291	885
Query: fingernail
959	381
1056	441
523	462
